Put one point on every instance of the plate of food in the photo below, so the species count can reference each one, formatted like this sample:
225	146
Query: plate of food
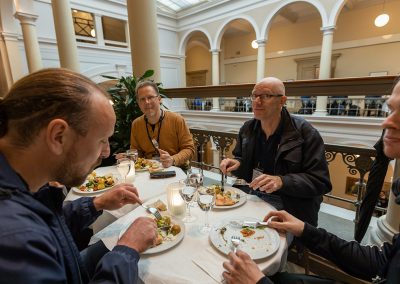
170	232
259	242
95	184
142	165
230	198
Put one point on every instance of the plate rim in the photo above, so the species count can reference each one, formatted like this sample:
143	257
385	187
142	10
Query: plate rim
242	200
215	227
161	248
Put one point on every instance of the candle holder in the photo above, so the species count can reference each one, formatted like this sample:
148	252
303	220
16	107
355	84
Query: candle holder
175	203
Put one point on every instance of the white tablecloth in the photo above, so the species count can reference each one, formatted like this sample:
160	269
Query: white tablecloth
176	265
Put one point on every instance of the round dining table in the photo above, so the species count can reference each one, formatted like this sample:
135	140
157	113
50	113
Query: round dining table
194	259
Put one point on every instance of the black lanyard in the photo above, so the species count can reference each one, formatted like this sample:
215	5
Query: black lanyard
159	129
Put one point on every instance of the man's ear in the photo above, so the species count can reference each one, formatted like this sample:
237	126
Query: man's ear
283	100
57	135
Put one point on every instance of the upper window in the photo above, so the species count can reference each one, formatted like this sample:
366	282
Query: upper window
113	31
84	26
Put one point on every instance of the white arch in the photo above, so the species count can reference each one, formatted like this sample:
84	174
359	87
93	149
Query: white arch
95	73
336	10
223	27
186	36
282	4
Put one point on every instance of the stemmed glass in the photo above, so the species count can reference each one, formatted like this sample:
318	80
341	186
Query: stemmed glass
187	193
132	154
123	167
206	200
195	177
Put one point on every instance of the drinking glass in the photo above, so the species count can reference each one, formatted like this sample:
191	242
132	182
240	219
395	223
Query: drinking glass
206	200
195	177
123	167
187	193
132	154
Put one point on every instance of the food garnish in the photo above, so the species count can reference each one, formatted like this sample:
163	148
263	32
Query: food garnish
247	232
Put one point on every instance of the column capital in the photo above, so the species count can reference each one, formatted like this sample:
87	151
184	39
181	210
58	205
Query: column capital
215	51
261	41
328	30
26	18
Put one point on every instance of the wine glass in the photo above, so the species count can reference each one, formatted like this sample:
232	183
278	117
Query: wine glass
123	167
187	193
195	177
132	154
206	200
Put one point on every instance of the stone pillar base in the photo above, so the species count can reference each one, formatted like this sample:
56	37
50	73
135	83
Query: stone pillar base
383	232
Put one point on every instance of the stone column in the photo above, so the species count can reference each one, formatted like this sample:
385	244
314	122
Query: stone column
325	67
65	34
143	34
260	59
388	224
215	75
99	30
31	43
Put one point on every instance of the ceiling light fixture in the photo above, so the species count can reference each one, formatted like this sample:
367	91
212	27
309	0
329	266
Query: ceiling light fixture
93	33
254	44
382	19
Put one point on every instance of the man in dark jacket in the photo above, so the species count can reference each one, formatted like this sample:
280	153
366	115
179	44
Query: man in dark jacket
380	265
54	126
281	154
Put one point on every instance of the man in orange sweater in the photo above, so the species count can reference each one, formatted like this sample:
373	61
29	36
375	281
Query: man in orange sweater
174	144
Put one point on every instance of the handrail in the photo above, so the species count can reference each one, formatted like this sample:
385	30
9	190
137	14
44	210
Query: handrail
360	86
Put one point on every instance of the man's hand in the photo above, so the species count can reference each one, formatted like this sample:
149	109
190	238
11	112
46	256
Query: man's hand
118	196
241	269
165	158
141	234
283	221
228	165
266	183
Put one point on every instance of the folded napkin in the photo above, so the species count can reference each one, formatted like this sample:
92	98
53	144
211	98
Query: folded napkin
211	263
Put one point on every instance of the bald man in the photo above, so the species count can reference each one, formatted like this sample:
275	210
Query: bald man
281	155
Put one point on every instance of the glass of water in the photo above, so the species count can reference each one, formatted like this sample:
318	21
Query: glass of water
187	193
123	167
205	200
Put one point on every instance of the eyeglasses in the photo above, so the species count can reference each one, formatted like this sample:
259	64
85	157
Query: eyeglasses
264	97
145	99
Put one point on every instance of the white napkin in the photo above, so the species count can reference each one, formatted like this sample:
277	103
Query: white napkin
211	263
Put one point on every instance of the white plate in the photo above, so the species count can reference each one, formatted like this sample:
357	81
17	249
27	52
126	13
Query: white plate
263	243
242	199
166	244
77	190
146	169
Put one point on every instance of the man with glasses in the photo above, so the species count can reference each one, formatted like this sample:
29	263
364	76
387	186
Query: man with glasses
371	263
281	155
160	133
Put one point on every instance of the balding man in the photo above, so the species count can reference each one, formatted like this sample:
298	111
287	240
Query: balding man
371	263
281	154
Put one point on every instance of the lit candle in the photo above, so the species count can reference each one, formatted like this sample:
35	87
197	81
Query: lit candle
175	203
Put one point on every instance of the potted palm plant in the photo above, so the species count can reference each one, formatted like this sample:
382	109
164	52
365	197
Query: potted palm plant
126	110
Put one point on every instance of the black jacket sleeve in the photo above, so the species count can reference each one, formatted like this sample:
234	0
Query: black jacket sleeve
360	261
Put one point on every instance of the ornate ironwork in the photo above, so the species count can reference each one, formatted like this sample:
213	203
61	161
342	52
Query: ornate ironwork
222	143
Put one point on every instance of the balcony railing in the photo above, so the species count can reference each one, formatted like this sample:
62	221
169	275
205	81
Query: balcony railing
357	160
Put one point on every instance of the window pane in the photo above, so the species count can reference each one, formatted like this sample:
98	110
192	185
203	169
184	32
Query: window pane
113	29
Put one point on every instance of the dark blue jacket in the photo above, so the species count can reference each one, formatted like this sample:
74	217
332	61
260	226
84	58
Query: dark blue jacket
299	161
37	237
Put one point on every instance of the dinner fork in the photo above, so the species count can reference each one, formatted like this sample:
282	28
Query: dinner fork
152	211
155	143
235	240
